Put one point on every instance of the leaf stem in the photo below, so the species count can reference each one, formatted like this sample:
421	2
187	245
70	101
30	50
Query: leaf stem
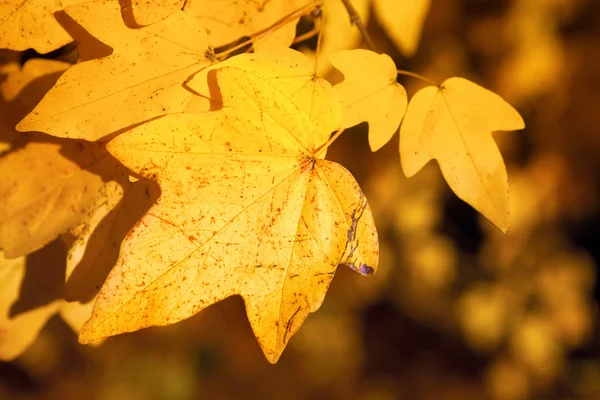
318	49
357	21
304	10
317	17
324	146
416	76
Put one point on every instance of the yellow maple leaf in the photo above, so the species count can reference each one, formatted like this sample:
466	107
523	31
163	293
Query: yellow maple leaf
151	12
403	21
33	24
228	20
370	93
31	293
141	80
248	206
453	124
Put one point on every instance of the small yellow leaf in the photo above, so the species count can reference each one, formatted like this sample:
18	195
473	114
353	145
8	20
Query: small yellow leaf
248	207
28	24
370	93
453	124
403	21
150	12
141	80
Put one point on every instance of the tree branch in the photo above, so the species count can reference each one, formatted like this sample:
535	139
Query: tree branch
357	21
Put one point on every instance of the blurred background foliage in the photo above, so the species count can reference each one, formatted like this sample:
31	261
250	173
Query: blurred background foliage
457	310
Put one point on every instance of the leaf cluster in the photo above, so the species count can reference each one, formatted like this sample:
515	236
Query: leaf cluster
178	175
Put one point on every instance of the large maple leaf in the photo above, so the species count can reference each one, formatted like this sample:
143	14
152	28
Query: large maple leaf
248	206
142	79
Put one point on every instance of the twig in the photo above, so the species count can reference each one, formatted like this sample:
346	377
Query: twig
416	76
304	10
357	21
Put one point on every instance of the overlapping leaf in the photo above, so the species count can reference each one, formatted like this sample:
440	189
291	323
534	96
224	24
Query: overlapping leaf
28	24
248	207
141	80
453	124
370	93
48	185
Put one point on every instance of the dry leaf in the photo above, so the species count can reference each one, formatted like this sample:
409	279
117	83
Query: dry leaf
370	93
403	21
247	207
453	124
141	80
28	24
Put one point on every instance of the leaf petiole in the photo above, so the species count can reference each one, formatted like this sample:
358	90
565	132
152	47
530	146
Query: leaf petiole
416	76
325	145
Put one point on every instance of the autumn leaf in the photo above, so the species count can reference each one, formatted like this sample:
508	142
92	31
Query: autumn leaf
228	20
48	185
30	294
141	80
248	206
151	12
57	189
370	93
453	124
403	21
33	24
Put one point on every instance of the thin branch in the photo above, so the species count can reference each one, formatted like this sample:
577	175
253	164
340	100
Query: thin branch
357	21
304	10
417	76
319	40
